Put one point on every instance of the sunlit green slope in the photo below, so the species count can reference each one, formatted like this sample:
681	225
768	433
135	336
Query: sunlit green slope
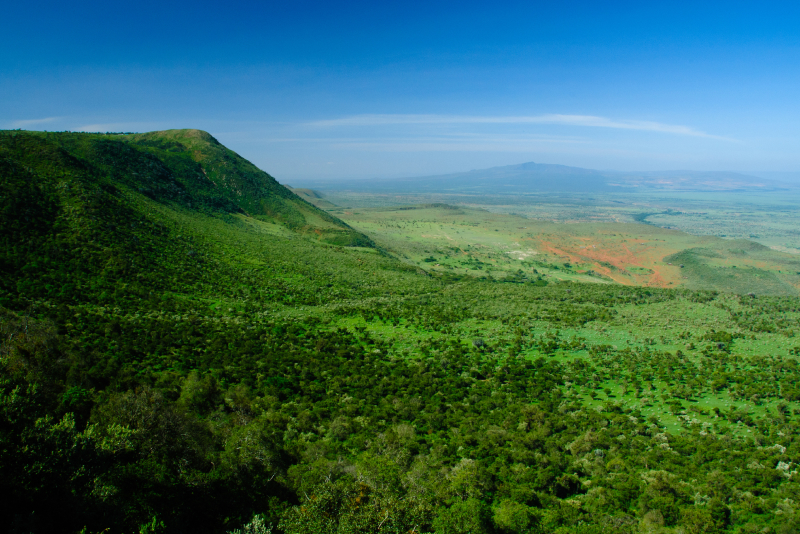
108	217
187	168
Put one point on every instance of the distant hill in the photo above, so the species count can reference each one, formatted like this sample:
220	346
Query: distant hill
545	178
514	178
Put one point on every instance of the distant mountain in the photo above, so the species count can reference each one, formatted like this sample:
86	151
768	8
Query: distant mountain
539	177
514	178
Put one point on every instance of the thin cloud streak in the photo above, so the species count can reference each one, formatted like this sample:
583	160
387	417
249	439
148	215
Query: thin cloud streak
558	119
438	147
455	139
33	122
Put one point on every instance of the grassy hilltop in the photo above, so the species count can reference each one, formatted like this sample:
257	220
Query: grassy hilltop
188	346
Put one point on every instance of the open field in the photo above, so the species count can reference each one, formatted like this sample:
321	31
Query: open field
769	218
465	241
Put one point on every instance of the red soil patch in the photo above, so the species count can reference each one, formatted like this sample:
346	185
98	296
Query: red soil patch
645	254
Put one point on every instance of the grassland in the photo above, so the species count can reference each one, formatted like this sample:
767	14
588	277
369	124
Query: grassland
469	241
769	218
622	350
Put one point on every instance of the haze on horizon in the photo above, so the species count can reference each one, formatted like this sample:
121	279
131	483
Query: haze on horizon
312	90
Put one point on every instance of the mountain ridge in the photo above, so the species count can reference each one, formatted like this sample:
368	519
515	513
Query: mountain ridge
189	168
532	177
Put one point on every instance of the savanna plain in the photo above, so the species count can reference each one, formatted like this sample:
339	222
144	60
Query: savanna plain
189	346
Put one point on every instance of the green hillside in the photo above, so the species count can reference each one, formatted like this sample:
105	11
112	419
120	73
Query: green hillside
186	168
186	346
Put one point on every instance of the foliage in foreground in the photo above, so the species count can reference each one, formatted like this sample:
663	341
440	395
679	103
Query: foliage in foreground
321	432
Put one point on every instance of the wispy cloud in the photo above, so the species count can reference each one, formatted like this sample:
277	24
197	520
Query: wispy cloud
33	122
566	120
447	142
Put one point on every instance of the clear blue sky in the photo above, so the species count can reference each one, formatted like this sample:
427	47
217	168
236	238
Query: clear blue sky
380	89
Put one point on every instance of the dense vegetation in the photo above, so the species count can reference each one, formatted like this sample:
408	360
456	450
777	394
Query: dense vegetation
187	361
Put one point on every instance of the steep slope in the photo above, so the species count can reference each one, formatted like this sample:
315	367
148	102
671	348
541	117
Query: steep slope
103	219
183	167
227	175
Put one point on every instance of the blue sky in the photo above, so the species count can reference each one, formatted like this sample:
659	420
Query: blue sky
311	90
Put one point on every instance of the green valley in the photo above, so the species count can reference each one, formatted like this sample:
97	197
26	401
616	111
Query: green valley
458	241
188	346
